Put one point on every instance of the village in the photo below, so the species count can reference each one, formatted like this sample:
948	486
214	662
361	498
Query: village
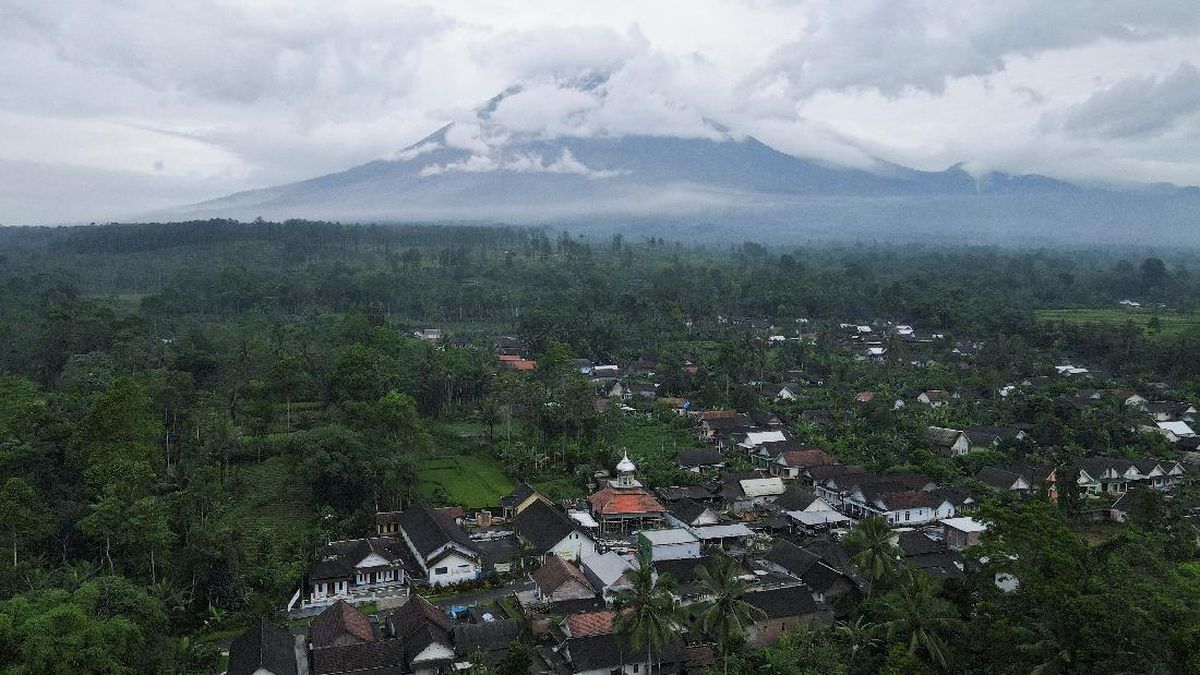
767	520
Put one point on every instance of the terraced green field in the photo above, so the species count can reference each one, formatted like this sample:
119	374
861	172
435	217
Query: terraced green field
472	481
1168	322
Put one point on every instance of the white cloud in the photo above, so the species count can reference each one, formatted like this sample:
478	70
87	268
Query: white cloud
235	95
521	162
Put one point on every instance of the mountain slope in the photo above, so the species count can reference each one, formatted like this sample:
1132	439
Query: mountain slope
732	187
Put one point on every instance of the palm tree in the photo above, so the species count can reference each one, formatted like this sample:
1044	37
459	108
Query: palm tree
647	609
858	634
876	553
916	615
725	615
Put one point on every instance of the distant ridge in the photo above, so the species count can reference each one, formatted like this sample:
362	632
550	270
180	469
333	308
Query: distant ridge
714	188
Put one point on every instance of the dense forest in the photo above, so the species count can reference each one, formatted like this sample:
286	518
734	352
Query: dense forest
188	409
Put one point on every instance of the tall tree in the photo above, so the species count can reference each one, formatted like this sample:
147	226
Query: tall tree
915	615
875	553
24	516
725	615
647	609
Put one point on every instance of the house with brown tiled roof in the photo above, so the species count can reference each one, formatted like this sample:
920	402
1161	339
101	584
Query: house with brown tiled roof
339	625
557	580
624	504
793	463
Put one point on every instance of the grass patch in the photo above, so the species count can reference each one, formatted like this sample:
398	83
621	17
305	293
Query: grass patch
472	481
1167	322
558	489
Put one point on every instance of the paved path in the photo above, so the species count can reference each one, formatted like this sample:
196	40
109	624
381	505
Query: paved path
478	597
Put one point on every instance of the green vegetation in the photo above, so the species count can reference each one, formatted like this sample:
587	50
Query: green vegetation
188	410
1157	321
471	481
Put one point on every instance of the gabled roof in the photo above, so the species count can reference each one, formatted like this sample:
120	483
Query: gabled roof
762	487
806	458
687	510
337	559
543	526
784	602
416	613
693	457
822	473
430	530
995	477
519	494
263	646
381	656
942	437
796	498
490	636
791	557
613	501
339	625
590	623
555	572
914	542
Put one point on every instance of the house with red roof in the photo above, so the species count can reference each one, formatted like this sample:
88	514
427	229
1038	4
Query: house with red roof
625	505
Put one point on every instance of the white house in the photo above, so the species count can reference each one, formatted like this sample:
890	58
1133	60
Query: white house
441	547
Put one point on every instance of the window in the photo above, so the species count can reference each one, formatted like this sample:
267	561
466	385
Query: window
441	570
906	515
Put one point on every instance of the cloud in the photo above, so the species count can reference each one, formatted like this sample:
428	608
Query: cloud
257	92
1135	106
521	162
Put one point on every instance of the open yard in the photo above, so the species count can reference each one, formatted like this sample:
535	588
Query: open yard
1167	321
472	481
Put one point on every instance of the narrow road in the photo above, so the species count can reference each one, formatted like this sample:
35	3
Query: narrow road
477	597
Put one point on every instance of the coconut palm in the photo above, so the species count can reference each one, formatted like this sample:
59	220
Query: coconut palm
914	614
647	610
725	615
876	552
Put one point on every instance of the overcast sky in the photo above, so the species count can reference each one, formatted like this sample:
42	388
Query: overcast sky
122	106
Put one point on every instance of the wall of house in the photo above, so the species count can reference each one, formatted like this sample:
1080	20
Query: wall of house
574	546
455	568
915	516
767	633
571	590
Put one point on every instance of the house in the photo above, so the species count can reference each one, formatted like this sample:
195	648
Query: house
1175	430
691	513
591	647
827	583
832	483
343	640
1112	475
759	491
668	544
522	496
1135	500
558	580
442	549
791	464
1024	479
491	638
700	460
756	438
784	608
933	397
720	536
987	438
947	442
266	649
929	556
545	530
358	570
339	625
608	572
901	499
426	636
788	391
960	533
625	505
798	498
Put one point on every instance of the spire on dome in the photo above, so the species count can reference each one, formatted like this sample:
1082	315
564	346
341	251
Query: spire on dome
626	465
